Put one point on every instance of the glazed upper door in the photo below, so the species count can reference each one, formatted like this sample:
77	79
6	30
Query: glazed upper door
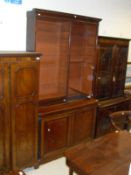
4	118
119	70
111	67
104	72
24	102
52	40
82	58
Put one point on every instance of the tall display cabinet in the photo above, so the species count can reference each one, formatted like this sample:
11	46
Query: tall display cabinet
110	80
19	75
111	67
68	45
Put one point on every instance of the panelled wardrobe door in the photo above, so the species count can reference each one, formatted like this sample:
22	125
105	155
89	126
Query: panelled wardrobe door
24	95
4	119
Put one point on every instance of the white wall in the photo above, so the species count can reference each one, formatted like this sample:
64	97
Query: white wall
116	15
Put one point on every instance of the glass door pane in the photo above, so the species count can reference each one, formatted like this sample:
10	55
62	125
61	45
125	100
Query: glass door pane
53	43
82	59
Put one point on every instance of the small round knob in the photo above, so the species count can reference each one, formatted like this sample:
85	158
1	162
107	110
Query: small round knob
21	173
37	58
92	67
98	78
49	130
64	100
89	96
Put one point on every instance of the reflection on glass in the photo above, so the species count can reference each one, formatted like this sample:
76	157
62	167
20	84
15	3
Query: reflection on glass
128	74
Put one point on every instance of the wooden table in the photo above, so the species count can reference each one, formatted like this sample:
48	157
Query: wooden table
107	155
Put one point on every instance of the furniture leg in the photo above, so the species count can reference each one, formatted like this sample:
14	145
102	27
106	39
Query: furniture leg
70	171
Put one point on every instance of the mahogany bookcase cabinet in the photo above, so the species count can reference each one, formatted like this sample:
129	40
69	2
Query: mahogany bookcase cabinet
110	79
19	75
68	45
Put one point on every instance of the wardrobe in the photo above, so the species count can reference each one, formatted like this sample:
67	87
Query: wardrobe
19	76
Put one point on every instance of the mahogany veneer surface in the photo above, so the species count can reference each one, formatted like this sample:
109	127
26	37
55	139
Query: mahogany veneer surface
107	155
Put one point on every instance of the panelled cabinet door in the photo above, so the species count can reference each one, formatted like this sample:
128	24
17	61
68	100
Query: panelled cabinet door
4	119
55	134
24	91
83	125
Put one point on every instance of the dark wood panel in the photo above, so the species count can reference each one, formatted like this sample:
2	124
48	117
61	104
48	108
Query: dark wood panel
24	135
24	80
4	119
24	94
